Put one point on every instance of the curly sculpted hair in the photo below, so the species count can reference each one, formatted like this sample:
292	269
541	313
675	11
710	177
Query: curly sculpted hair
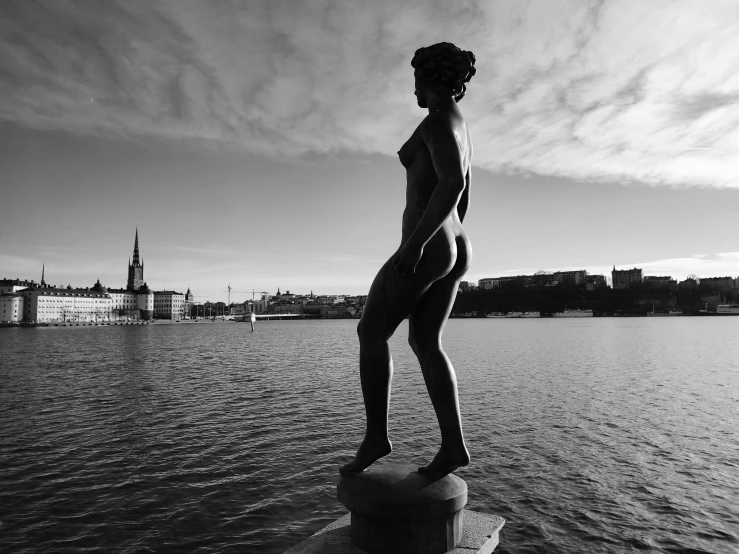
445	63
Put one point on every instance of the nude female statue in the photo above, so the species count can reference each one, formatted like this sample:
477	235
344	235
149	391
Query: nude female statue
421	278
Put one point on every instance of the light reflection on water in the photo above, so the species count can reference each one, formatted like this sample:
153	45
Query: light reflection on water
601	435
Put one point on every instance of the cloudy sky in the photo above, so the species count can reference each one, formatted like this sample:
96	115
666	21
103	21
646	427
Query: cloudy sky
254	142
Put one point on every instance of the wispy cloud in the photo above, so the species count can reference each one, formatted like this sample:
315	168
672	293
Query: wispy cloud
604	91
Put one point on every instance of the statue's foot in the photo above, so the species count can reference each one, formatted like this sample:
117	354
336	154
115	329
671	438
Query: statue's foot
446	461
369	452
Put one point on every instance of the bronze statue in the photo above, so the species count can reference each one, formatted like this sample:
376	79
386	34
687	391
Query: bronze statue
421	278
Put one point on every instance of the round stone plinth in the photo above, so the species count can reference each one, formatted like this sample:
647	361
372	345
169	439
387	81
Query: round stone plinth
396	509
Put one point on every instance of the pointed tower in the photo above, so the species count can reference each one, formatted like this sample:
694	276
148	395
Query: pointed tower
136	248
43	270
135	268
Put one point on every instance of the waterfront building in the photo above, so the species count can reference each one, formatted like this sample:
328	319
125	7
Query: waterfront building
168	304
11	307
513	281
595	282
659	282
717	283
137	299
189	301
688	284
329	299
543	278
501	282
488	283
46	304
316	309
623	279
570	277
144	296
124	303
14	285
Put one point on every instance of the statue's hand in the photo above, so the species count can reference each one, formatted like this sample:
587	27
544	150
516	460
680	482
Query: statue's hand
406	260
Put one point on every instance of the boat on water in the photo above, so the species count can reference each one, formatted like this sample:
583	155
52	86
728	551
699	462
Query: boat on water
721	309
574	313
671	313
664	314
512	315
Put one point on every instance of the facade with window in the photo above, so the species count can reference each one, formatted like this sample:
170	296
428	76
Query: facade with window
623	279
56	305
42	303
14	285
717	283
570	277
488	283
168	304
659	281
11	307
124	303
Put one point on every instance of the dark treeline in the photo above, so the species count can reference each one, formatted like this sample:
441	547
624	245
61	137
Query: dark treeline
634	300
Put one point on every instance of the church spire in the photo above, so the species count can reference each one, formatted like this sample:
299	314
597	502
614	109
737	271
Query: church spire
43	269
136	248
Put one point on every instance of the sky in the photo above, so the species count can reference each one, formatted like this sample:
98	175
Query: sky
255	142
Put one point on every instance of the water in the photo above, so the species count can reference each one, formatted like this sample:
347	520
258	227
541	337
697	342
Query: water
597	435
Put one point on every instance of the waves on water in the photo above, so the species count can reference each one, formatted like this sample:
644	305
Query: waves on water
605	435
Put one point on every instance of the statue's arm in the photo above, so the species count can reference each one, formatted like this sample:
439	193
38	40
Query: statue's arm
439	138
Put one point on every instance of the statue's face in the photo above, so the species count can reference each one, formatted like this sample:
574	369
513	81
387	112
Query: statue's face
420	91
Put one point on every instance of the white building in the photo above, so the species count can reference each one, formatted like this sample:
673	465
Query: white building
11	307
168	304
123	301
44	304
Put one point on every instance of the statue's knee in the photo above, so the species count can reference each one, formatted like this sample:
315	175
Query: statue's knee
368	333
423	346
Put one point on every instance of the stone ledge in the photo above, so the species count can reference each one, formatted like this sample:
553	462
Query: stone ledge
479	536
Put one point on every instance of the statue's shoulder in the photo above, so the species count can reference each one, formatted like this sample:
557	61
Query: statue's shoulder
436	127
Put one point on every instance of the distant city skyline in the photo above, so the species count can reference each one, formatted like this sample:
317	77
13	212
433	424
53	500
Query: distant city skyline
256	145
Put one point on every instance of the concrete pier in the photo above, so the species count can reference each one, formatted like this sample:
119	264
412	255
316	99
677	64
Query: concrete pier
396	510
479	536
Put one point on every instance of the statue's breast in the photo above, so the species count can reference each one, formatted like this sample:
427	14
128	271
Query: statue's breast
408	151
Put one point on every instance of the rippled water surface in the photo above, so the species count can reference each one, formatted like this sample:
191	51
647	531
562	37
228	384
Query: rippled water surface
599	435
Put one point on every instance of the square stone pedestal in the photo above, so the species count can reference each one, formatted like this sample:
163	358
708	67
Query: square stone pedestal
479	536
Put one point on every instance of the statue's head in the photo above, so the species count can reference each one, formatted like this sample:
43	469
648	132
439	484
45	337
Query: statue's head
442	66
